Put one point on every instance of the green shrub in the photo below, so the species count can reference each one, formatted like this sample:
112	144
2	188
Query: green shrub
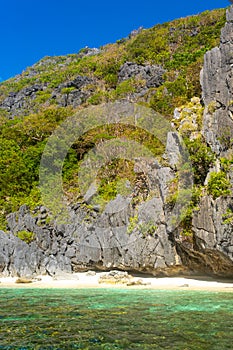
227	217
188	202
126	87
67	90
201	157
97	98
133	223
218	185
147	228
26	236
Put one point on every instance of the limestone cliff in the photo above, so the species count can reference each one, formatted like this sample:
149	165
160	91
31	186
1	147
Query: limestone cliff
212	224
217	91
137	236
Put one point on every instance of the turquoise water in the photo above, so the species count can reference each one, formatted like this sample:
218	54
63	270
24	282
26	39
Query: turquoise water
115	319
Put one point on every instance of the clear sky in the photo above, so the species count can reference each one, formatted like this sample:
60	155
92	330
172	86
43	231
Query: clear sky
32	29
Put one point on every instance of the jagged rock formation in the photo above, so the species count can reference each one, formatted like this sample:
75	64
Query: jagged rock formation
210	230
76	92
134	235
217	90
95	240
79	91
212	224
72	93
153	75
20	101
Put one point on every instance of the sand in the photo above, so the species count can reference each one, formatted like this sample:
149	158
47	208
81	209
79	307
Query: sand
85	280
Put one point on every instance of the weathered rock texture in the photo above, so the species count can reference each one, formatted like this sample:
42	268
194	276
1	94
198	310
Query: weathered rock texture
217	90
18	102
71	93
127	235
212	223
211	228
120	237
81	90
152	74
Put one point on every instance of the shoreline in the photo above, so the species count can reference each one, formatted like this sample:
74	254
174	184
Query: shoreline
83	280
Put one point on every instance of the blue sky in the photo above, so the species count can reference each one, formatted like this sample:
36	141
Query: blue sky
32	29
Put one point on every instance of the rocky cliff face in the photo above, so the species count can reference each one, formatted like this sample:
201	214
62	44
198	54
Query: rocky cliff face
137	236
122	236
212	224
76	92
217	91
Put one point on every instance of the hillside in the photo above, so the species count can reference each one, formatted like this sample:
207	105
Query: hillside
163	74
138	175
176	47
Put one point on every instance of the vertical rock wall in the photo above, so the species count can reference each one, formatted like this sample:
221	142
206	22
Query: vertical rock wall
217	90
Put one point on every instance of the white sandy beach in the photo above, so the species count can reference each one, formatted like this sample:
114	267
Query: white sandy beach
84	280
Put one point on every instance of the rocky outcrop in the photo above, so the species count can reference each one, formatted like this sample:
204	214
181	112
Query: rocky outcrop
18	102
217	91
152	74
88	51
91	240
131	234
120	277
71	93
75	92
127	235
115	277
212	225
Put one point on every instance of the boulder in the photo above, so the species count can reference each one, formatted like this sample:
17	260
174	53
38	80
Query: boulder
115	277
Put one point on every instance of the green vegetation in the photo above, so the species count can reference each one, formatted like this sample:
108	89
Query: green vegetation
227	218
187	213
201	157
218	184
145	228
26	236
187	200
133	223
22	143
177	46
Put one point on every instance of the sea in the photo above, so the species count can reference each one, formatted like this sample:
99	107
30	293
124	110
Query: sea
114	318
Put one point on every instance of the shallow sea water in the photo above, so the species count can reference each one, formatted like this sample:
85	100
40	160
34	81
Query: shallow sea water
115	319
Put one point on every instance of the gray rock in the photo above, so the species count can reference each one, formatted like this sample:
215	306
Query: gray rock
210	230
174	149
88	51
17	102
74	97
152	74
90	273
115	277
217	91
91	192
